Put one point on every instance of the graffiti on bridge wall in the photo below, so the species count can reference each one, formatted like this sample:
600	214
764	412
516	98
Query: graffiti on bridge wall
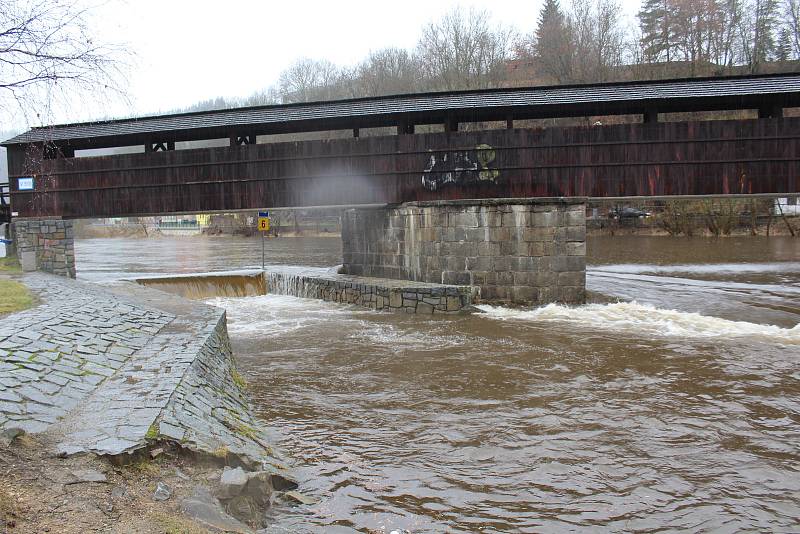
459	168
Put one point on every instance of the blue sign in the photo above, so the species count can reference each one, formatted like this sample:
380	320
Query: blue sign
263	214
25	184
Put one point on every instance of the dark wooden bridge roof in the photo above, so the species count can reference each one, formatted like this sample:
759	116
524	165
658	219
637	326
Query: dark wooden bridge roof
696	94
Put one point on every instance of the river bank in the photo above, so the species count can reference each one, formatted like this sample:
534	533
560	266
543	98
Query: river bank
95	378
40	492
779	228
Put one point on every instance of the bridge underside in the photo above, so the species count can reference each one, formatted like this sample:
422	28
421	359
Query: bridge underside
670	158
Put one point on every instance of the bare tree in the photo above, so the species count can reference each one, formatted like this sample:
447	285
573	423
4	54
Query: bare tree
463	51
728	53
308	80
582	29
48	55
387	71
598	39
692	21
757	32
260	98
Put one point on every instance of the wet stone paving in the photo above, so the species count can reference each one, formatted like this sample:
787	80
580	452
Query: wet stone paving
54	355
108	369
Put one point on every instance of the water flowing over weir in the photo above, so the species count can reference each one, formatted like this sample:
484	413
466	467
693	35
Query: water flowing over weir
676	409
323	284
298	281
207	285
290	281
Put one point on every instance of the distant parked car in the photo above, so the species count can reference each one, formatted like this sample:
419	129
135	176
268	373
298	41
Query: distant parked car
787	206
628	213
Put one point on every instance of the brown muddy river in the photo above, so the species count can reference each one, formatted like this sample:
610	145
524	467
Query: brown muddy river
671	404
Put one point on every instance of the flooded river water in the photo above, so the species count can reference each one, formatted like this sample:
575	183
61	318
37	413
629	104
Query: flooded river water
676	408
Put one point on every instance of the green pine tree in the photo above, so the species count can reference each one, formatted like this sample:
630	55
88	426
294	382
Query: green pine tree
783	50
764	22
553	49
657	30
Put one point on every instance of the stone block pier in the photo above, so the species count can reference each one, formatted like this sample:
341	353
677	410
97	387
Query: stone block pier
113	369
516	251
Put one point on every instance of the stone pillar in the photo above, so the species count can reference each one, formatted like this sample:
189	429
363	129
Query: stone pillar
46	245
517	251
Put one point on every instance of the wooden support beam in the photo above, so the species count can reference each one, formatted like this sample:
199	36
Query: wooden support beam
239	140
650	116
355	133
770	112
451	125
509	123
404	127
159	146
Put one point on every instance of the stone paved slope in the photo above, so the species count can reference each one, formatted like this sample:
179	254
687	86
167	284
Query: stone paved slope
110	369
54	355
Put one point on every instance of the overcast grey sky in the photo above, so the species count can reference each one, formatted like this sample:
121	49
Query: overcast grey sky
191	50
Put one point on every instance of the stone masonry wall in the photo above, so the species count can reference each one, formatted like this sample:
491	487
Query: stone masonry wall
390	295
525	251
46	245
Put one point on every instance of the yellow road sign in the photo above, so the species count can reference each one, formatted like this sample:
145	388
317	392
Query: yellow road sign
263	224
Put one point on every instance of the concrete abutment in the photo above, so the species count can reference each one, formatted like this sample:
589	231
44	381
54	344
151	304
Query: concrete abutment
517	251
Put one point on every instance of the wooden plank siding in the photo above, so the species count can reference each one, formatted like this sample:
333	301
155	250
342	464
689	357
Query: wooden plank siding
673	158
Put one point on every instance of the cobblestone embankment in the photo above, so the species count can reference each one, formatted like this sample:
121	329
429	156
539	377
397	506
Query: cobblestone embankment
111	370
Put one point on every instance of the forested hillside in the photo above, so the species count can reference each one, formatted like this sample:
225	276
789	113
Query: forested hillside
582	41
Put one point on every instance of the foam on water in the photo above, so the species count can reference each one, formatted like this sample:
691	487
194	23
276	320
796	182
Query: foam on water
704	268
273	315
411	338
647	320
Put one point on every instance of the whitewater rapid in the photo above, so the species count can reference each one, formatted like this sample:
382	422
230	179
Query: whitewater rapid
645	320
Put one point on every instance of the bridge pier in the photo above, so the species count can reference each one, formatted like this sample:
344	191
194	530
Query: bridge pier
46	245
517	251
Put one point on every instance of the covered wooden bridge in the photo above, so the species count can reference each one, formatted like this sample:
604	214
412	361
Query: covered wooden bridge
49	177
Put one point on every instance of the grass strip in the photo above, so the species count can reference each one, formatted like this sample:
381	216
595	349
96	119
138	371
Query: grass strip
14	297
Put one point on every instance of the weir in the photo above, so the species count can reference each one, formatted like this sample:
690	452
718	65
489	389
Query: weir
209	285
323	284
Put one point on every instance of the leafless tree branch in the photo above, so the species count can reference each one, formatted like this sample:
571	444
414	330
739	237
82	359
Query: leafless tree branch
48	55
